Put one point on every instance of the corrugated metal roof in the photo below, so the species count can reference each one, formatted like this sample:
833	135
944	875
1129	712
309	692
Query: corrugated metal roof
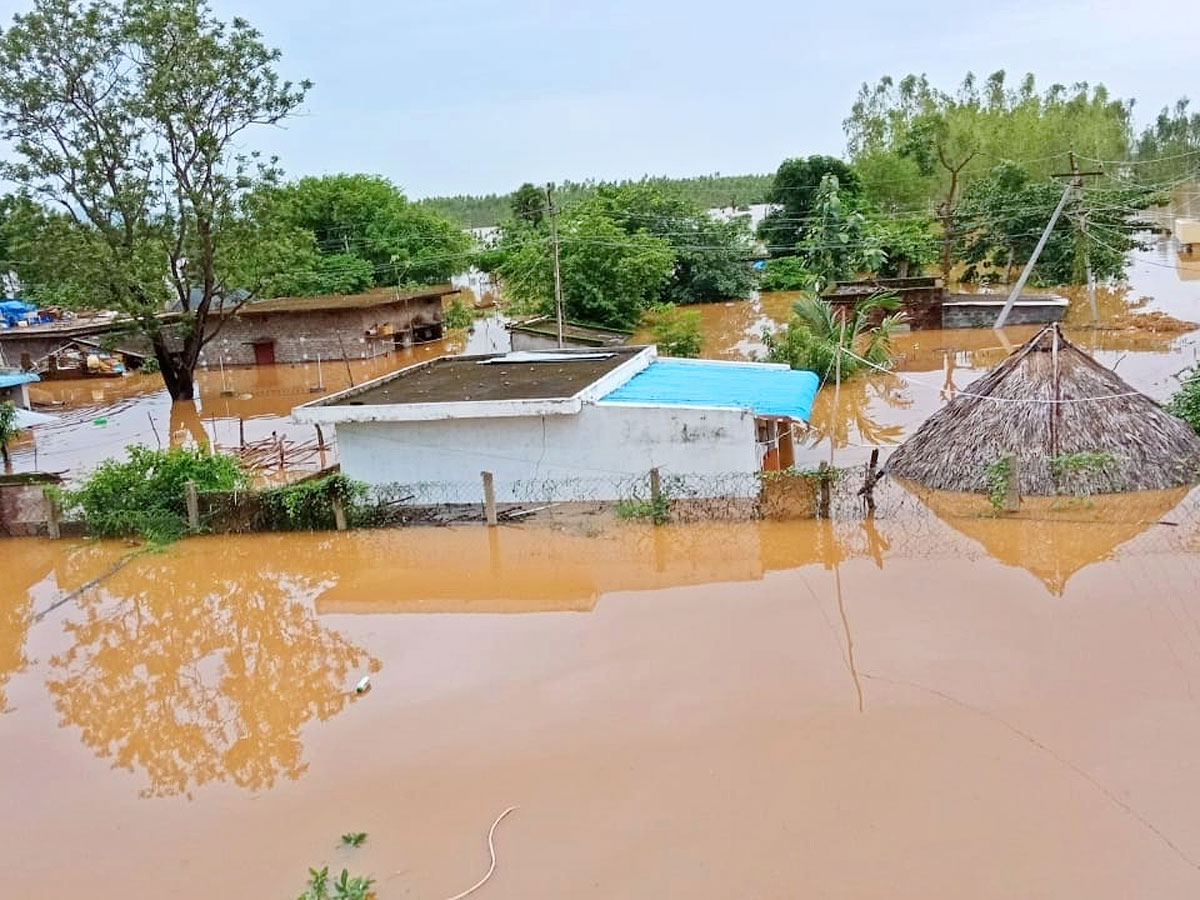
12	379
768	390
332	302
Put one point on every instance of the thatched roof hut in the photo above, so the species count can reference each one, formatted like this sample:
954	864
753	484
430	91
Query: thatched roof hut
1073	426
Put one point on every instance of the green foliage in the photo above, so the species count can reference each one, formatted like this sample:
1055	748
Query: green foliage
609	276
794	193
1090	462
816	336
150	366
704	191
787	273
528	204
1003	213
907	245
144	495
676	331
8	426
347	887
138	137
307	505
354	838
999	478
635	508
837	243
362	231
1185	403
1168	150
457	314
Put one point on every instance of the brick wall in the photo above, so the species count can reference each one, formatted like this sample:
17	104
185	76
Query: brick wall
301	336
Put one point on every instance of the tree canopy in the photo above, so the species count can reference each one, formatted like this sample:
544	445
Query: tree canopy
794	193
128	119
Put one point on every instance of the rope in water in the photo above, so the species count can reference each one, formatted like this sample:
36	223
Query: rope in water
491	850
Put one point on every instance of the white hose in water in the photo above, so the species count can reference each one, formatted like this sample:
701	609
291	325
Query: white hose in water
492	850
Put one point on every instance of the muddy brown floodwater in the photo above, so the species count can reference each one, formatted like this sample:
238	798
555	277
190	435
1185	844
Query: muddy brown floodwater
931	705
934	704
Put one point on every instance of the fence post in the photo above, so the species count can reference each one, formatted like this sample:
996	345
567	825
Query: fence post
241	433
52	513
823	475
1012	496
489	498
339	513
193	505
320	439
655	487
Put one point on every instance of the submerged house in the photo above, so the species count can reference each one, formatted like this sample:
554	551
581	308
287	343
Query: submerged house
541	333
567	424
14	386
1072	425
927	303
299	329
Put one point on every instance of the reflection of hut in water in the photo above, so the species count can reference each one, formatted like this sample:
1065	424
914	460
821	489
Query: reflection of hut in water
1071	425
1052	537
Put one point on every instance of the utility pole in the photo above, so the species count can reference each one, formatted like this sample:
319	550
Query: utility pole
1077	180
558	301
1073	185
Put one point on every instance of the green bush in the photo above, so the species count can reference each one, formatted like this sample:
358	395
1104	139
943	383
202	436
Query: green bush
8	427
1186	402
786	273
818	335
144	495
457	314
676	331
307	505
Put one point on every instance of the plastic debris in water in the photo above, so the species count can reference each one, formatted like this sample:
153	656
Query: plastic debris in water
100	420
364	685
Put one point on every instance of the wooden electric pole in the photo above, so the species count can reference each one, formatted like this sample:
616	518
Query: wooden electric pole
558	301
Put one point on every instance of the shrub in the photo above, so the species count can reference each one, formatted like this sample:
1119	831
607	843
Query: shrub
786	273
676	331
307	505
8	427
457	314
347	887
816	337
144	495
1186	401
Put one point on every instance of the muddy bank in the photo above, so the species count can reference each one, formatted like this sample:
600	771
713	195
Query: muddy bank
864	709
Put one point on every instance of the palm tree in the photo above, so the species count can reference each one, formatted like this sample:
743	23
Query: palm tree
837	342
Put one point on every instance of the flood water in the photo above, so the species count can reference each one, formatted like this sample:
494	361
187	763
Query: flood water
934	703
930	705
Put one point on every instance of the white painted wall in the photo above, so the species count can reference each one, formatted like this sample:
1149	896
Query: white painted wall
592	455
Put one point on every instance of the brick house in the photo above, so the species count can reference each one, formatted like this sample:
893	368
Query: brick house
296	329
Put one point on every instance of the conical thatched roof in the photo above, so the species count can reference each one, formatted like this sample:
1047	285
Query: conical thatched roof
1047	401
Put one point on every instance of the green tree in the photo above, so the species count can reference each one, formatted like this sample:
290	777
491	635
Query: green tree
952	138
835	342
1004	213
528	204
1168	150
609	276
794	195
129	117
364	217
837	242
787	273
8	429
676	331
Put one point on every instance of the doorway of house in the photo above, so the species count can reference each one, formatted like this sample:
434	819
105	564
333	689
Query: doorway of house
264	353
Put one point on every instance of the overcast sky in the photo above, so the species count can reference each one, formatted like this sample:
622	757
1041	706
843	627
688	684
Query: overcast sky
480	95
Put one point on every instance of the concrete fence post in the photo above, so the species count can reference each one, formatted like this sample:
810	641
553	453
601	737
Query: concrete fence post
52	514
824	474
489	498
339	513
655	487
192	499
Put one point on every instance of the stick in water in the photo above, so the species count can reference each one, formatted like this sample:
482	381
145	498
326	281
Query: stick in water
492	850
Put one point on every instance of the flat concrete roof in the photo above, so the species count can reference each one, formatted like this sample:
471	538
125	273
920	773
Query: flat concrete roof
334	302
536	375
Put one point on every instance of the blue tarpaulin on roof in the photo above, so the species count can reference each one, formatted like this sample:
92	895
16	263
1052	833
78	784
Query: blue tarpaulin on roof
765	389
12	379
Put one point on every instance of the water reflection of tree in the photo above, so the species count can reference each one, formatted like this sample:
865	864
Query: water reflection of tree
838	418
203	678
16	613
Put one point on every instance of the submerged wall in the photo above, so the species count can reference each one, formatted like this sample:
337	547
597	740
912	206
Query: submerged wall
595	454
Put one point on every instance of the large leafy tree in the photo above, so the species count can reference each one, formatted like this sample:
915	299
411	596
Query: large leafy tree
364	231
127	117
921	134
609	276
1168	150
1003	214
794	194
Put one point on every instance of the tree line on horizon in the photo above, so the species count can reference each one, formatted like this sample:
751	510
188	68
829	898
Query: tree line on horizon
136	191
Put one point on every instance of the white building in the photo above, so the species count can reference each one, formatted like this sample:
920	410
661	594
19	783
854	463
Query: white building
567	424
